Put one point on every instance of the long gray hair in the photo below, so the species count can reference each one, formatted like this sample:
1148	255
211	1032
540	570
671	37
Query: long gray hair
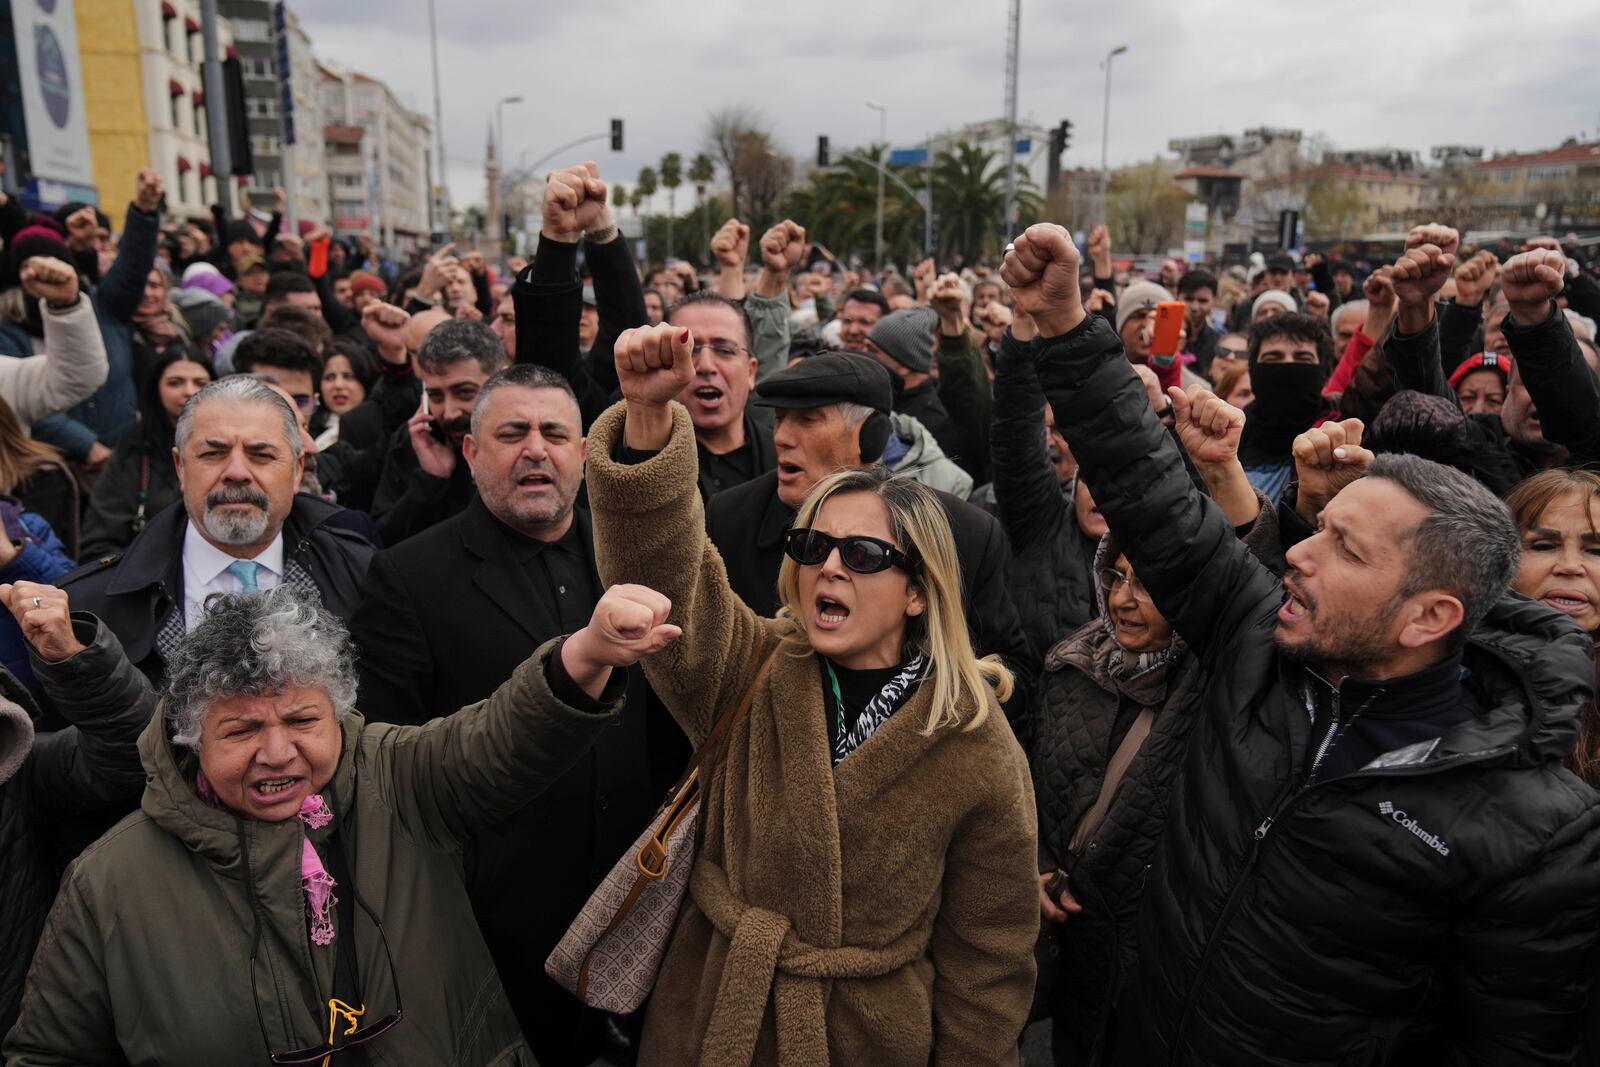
258	644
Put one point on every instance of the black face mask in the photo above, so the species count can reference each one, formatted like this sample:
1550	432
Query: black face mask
1288	400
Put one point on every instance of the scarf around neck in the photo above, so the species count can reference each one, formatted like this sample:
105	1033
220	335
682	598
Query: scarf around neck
878	709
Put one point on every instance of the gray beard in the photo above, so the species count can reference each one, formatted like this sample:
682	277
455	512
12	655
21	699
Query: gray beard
230	530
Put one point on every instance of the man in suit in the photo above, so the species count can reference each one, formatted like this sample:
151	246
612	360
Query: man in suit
447	615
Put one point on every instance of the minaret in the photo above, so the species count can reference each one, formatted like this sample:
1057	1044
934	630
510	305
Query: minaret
491	174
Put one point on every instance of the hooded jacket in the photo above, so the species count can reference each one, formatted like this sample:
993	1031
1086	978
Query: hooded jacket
1440	905
91	764
153	928
880	912
925	461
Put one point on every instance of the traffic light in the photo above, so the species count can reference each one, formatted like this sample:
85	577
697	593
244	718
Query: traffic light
1061	137
822	150
616	135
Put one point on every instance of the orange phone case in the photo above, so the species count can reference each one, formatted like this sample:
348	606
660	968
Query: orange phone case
1169	323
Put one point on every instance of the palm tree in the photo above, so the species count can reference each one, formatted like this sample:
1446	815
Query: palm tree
617	195
969	194
643	189
671	178
701	171
839	208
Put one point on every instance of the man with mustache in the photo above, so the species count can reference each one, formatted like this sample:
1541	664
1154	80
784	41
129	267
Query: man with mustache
239	526
424	481
519	566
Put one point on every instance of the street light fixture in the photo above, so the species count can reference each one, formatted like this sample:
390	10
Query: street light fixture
1105	130
883	146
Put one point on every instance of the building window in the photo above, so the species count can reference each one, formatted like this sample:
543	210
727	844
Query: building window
252	30
263	145
261	67
183	188
200	122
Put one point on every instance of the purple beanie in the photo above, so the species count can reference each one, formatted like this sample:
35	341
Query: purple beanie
36	240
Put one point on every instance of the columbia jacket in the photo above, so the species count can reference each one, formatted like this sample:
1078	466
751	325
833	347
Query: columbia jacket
1441	905
146	957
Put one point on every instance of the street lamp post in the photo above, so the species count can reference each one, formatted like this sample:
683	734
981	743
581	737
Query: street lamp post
883	146
502	158
1105	130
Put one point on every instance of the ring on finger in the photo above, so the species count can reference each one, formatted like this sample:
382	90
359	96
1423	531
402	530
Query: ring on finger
1011	246
36	602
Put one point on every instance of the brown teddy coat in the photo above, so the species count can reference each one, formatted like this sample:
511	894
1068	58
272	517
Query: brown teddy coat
884	911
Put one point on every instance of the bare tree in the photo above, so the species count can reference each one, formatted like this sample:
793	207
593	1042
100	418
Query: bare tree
732	135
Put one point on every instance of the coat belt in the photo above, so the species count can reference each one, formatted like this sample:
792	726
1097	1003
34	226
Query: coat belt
766	960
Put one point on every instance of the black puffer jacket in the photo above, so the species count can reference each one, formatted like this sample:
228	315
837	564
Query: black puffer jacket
91	765
1090	695
1441	908
1050	576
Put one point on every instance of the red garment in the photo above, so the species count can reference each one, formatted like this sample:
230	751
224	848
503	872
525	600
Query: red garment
1360	345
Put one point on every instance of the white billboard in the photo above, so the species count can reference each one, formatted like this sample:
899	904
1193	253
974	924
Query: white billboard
52	90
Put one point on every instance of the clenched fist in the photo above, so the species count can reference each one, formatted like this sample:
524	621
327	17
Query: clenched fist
731	244
1532	280
782	246
1381	302
949	298
1421	271
1476	277
654	363
47	278
147	191
82	225
1042	271
1208	425
44	614
1326	459
628	623
386	325
574	201
1099	249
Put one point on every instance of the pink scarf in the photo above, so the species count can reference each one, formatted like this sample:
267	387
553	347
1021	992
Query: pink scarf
314	877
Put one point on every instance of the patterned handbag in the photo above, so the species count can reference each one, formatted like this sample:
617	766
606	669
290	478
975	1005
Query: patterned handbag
613	949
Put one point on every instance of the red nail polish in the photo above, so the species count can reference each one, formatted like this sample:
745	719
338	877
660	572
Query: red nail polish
685	338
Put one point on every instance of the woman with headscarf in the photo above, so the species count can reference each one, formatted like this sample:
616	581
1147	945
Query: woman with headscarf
1291	356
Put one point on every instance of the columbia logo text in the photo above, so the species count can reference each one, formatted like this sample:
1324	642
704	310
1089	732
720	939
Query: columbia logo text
1432	841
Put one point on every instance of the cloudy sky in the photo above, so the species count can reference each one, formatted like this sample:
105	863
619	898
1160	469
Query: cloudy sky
1505	74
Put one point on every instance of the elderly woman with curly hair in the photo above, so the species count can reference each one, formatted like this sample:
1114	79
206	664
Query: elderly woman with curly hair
291	887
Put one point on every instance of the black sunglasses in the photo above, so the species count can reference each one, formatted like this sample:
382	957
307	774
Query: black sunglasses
864	555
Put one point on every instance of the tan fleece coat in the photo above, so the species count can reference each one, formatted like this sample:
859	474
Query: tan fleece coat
882	912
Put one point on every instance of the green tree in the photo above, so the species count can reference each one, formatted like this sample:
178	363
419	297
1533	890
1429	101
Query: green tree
969	197
1144	208
644	188
702	170
671	178
839	208
618	195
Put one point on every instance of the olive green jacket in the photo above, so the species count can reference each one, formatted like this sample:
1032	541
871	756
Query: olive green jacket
146	956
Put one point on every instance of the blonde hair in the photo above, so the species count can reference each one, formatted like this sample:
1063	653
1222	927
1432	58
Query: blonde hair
919	527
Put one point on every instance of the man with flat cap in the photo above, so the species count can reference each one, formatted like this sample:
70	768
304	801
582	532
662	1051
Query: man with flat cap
832	413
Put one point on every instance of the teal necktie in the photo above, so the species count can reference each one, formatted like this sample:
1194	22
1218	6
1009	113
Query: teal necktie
245	571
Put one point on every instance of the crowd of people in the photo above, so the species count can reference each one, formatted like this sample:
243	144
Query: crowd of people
1226	700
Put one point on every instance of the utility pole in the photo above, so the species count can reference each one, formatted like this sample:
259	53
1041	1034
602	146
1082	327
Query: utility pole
441	200
216	109
1013	25
1105	131
883	148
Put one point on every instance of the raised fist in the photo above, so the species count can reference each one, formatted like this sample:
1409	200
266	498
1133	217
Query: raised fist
386	325
1423	267
1041	268
47	278
147	190
436	271
1100	301
949	297
82	226
1531	280
44	615
731	244
474	263
280	200
782	246
1318	304
1326	459
629	622
574	201
922	277
1099	249
291	244
654	363
1476	277
1310	260
1208	426
1379	287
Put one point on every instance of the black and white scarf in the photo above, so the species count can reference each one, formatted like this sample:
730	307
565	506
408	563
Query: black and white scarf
878	709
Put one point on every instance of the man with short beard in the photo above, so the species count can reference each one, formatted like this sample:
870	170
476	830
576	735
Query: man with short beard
424	481
519	567
239	526
1375	853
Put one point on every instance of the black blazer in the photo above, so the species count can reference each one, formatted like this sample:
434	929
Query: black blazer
445	617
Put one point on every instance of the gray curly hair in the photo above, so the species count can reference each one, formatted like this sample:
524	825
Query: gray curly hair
255	644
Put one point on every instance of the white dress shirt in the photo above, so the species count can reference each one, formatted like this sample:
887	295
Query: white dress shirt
205	571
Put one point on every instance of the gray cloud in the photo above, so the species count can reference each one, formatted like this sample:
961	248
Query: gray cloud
1364	72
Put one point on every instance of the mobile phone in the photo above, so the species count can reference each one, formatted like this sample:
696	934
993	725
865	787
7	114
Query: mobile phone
425	409
319	258
1055	885
1169	323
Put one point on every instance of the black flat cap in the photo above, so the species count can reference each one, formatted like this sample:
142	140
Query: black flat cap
829	378
1281	261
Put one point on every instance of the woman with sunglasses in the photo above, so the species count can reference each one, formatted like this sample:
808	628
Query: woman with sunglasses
864	891
292	885
1118	698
